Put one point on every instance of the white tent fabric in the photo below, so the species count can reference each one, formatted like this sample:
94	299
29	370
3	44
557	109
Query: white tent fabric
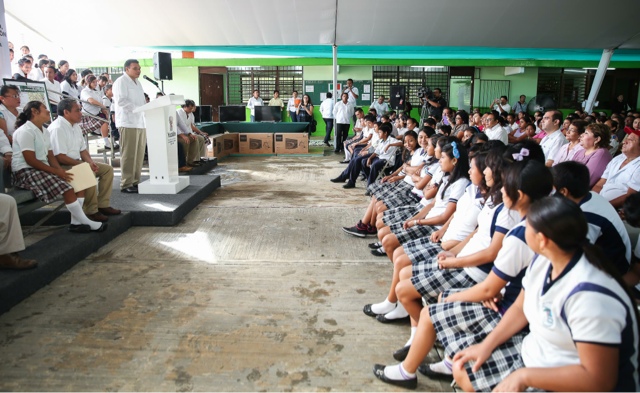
587	24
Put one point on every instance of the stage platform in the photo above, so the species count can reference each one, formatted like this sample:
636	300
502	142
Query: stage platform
61	250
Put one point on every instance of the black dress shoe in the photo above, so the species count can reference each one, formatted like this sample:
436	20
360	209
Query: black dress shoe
425	370
383	319
345	161
368	193
102	228
349	185
367	310
135	186
378	253
378	371
130	190
79	228
374	246
401	353
337	180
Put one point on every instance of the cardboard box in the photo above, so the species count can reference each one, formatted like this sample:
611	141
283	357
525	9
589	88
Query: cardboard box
291	143
230	144
256	143
217	144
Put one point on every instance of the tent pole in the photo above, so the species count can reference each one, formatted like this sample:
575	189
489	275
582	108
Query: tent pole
335	73
597	81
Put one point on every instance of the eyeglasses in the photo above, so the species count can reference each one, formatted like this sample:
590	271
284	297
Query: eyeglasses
12	96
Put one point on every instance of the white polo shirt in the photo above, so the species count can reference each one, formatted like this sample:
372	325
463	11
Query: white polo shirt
551	143
5	145
352	98
66	138
386	154
620	180
72	91
53	89
583	304
497	132
342	112
253	102
90	108
465	218
9	117
381	109
326	108
419	157
127	96
452	194
29	137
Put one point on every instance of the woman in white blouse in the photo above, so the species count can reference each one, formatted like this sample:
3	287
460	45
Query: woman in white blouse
69	85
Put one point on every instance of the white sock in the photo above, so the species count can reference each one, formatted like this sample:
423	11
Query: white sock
381	249
414	329
442	367
398	373
107	142
397	313
384	307
76	213
74	221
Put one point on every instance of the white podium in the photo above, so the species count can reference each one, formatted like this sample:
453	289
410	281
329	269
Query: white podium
162	141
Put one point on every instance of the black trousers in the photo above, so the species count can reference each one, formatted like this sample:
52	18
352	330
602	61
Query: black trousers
355	166
372	171
342	132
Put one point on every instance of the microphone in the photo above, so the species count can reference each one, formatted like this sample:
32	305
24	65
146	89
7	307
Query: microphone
150	80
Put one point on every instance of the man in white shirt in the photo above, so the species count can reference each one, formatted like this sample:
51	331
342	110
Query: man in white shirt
380	106
554	140
69	147
353	93
494	130
342	113
53	87
191	139
127	96
326	109
292	106
502	105
253	102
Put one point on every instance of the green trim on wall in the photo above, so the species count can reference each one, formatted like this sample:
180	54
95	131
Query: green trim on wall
308	61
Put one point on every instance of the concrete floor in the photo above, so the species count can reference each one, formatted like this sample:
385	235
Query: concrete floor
257	289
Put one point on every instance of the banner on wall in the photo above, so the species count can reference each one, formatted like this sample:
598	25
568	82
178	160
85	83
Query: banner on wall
5	63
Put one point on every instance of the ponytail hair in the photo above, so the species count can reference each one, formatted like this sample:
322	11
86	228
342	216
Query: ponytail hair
563	222
496	163
461	169
27	113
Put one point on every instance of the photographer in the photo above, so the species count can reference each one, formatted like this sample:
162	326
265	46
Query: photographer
435	102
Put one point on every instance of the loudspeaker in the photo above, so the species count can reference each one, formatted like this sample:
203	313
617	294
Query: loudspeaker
162	69
397	97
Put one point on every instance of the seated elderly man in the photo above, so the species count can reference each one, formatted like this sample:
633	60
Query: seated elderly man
11	240
196	147
69	147
621	178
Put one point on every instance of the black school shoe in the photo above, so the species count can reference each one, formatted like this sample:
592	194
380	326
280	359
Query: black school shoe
378	252
401	354
79	228
425	370
378	371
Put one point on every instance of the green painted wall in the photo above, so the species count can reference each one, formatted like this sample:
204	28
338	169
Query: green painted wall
526	83
185	83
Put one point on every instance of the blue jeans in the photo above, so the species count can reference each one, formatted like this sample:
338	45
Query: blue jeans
294	116
253	118
329	123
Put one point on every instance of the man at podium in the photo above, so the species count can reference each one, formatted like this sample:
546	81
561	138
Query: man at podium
127	96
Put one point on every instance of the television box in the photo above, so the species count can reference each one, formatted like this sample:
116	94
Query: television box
217	145
291	143
230	144
257	143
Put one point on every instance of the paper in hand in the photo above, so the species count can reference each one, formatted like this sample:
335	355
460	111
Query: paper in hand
83	177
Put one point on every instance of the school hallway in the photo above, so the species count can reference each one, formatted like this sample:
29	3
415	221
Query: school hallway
257	289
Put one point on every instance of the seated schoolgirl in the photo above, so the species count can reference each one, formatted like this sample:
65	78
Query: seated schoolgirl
583	323
35	168
464	318
453	187
391	185
369	162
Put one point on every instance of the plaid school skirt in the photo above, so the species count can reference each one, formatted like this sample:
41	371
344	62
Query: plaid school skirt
400	214
403	198
423	255
386	189
415	232
430	285
45	186
90	124
462	324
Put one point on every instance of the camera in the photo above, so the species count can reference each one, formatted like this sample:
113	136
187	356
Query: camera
425	92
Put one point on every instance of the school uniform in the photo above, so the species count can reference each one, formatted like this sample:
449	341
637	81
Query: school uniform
9	118
403	212
607	230
492	219
90	124
70	90
620	180
400	189
465	220
45	186
452	194
385	153
459	325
